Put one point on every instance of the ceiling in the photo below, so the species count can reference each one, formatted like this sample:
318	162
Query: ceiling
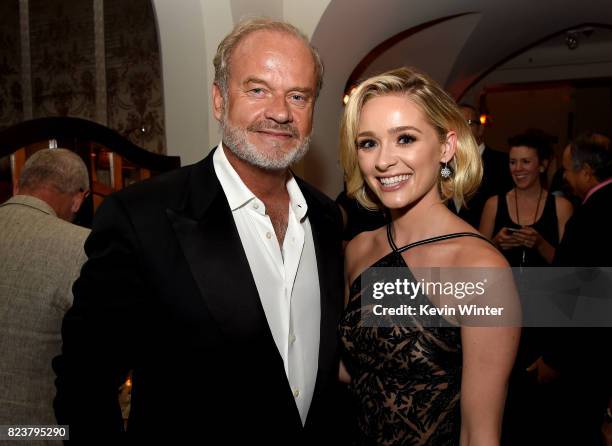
458	42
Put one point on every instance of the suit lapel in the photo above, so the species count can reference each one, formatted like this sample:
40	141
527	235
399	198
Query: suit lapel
326	250
207	235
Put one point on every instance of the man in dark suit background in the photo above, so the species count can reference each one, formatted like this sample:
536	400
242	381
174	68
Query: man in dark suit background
218	285
587	166
496	177
579	358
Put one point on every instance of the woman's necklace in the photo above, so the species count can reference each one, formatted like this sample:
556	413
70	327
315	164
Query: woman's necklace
518	218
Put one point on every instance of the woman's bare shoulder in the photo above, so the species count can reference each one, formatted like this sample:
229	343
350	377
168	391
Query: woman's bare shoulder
491	202
563	204
363	250
476	252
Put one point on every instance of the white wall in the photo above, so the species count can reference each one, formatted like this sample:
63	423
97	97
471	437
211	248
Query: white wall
190	31
345	32
182	47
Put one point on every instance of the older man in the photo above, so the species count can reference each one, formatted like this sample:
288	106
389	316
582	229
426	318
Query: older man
580	358
220	284
42	254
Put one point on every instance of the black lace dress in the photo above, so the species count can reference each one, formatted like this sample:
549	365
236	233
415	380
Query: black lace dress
406	380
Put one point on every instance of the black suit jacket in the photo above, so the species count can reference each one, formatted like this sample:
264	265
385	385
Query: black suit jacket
496	180
167	292
583	354
587	240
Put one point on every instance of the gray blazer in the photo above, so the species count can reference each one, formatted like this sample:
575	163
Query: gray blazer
40	257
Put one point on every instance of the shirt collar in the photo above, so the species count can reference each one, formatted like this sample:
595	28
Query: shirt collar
238	194
32	202
596	188
481	148
296	199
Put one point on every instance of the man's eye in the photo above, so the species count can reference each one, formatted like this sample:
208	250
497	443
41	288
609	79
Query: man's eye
256	91
366	144
406	139
298	97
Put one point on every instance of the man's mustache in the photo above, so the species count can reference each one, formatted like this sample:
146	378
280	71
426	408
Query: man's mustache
271	125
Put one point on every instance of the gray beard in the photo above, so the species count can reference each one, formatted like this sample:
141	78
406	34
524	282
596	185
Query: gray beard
235	139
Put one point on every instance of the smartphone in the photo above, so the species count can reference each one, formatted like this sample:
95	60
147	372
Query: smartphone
513	229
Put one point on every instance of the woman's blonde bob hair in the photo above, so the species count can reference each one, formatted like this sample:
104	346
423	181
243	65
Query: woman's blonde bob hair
441	112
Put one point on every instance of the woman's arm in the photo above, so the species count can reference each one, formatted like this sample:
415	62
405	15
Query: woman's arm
487	218
488	356
503	239
564	212
529	237
489	345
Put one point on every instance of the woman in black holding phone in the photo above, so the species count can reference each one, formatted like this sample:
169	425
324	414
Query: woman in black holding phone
527	222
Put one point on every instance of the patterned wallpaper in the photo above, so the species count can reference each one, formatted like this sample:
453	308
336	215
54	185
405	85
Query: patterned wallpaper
64	72
133	73
11	105
62	58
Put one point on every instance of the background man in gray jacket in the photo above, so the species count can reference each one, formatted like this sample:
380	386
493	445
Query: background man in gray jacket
41	254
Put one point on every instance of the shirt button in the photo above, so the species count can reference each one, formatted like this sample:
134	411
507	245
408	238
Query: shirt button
255	206
269	235
292	338
296	393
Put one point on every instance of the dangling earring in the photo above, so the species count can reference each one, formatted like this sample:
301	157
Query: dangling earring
445	172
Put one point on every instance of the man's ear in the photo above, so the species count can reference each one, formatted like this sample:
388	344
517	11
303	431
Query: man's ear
449	146
77	201
218	102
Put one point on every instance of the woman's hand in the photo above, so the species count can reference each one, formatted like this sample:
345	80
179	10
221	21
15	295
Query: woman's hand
530	238
527	236
545	374
505	239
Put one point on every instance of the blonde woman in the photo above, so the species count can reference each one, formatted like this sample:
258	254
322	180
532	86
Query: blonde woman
405	147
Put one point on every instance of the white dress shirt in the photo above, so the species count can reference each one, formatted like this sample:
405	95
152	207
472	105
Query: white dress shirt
286	277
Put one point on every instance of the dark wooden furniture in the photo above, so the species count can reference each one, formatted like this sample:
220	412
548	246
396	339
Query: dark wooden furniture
113	161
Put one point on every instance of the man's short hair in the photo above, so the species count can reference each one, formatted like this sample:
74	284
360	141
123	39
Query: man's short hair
60	169
242	30
592	149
